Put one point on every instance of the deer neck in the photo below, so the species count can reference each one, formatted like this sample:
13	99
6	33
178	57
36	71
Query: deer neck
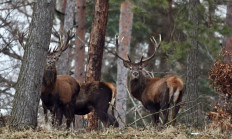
137	86
49	77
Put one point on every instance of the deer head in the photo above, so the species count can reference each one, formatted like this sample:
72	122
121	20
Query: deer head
54	55
136	68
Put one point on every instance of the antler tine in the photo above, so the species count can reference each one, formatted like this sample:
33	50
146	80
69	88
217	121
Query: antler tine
64	41
156	46
21	39
116	51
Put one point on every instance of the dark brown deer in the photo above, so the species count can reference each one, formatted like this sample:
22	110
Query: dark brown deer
98	96
155	93
58	90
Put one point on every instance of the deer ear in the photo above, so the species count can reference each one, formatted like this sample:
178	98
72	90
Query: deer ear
126	64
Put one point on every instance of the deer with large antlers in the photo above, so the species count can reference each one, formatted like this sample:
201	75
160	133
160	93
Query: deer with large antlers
155	93
58	90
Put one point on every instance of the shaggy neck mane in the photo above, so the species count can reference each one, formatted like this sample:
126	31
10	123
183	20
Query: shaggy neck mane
49	77
137	86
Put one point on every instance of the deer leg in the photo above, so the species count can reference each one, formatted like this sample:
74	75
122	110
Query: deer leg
69	114
101	108
175	109
164	114
45	113
59	116
153	110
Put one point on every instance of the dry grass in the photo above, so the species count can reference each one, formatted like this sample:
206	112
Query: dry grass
179	132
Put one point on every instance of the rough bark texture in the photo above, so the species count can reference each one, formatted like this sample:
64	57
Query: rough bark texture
80	51
192	67
26	99
63	62
125	28
80	47
95	51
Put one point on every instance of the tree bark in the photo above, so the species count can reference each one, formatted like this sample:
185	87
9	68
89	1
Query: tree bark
80	51
64	60
95	51
27	95
80	47
125	28
192	67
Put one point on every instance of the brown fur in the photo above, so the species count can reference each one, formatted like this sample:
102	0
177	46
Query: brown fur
96	96
158	93
56	96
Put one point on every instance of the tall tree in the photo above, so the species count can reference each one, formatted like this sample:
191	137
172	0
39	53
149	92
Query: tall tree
80	50
95	51
125	28
192	67
63	62
27	95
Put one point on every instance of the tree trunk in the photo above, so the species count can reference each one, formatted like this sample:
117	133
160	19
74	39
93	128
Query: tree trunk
80	51
192	67
95	51
80	47
63	62
60	6
27	95
125	27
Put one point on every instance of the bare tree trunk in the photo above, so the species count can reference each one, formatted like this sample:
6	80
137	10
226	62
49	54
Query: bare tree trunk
60	6
80	51
26	99
95	52
64	60
125	27
192	67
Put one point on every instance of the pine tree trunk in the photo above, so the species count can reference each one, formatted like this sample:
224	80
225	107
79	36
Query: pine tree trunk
192	67
63	62
27	95
95	51
80	51
125	28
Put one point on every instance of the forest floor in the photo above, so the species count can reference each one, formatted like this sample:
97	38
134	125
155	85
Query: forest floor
180	132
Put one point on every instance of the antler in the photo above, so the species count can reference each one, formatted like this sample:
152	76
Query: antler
64	42
156	46
21	39
116	52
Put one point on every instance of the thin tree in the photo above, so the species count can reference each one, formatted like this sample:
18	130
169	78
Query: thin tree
80	51
125	28
192	66
27	95
64	60
95	51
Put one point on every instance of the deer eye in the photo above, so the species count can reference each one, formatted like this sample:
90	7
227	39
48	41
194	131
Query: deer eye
130	68
140	67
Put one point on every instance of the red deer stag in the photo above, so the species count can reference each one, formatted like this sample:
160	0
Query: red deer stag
98	96
58	90
155	93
